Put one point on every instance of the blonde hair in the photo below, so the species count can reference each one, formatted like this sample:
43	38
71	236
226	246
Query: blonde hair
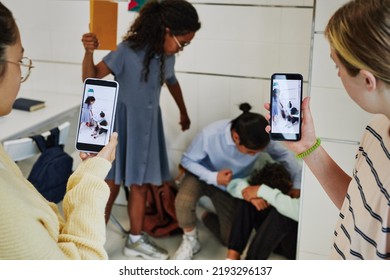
359	32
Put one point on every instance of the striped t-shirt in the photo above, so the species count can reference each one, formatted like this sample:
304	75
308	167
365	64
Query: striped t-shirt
363	228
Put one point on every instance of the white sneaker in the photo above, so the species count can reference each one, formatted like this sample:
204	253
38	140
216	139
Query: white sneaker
188	248
145	248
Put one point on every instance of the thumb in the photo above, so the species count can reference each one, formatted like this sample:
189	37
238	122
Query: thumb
306	109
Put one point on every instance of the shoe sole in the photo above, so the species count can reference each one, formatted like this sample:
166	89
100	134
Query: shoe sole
197	251
193	254
133	253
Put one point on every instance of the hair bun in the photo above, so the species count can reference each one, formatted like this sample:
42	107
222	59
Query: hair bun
245	107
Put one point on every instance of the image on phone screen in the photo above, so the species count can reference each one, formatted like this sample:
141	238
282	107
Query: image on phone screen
286	99
97	114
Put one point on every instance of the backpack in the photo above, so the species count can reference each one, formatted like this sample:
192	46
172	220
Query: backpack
51	171
160	214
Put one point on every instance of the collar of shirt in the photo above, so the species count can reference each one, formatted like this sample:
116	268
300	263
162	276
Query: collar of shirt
228	135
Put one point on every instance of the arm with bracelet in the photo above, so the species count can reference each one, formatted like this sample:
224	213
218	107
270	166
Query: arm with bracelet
330	175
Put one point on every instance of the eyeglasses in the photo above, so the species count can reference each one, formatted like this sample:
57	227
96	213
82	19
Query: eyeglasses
25	67
180	45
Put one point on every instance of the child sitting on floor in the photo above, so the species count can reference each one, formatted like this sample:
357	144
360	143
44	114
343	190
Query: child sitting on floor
101	125
269	210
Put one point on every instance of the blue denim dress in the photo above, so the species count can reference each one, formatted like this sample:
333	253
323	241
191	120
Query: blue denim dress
141	155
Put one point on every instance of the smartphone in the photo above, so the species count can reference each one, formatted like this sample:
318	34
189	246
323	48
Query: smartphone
286	100
97	114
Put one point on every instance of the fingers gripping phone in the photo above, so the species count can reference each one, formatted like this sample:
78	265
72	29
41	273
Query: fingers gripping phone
97	114
286	100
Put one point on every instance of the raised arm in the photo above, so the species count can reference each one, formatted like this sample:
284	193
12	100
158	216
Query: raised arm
90	70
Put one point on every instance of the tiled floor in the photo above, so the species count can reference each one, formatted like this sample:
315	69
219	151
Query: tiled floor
211	248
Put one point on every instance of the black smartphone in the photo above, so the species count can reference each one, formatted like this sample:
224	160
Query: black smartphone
286	100
97	114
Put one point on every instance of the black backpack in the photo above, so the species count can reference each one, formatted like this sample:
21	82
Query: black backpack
51	171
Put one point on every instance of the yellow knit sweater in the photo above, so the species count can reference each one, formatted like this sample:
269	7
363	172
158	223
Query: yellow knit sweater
33	228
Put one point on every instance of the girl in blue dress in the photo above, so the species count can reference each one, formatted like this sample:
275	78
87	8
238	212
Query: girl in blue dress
86	111
142	63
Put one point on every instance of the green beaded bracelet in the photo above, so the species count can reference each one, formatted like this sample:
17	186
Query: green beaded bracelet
310	150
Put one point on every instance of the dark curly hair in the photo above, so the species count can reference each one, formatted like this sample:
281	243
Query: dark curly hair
148	30
273	175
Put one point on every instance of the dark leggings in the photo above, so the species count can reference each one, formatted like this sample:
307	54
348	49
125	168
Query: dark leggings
274	232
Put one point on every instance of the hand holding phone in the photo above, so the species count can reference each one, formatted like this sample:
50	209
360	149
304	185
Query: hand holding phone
285	106
108	151
97	114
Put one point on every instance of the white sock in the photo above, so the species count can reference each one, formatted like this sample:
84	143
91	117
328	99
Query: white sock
134	238
193	232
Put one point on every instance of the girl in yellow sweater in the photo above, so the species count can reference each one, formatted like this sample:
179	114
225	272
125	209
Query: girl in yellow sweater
31	227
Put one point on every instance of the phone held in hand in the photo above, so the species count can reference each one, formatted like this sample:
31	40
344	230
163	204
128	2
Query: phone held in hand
97	114
286	100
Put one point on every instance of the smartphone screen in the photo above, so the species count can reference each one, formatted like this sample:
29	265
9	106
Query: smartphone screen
97	114
286	99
